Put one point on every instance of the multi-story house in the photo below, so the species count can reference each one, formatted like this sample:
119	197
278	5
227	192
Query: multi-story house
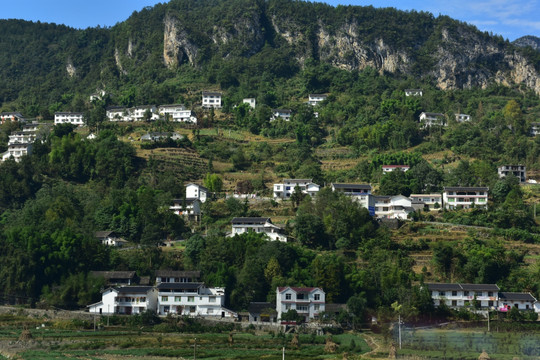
462	118
177	113
211	99
428	119
429	201
118	113
308	302
193	299
359	192
177	276
463	295
413	92
250	101
394	207
110	238
284	114
144	112
285	189
11	116
126	300
21	137
74	118
316	99
535	128
241	225
189	208
465	197
17	151
195	191
519	171
390	168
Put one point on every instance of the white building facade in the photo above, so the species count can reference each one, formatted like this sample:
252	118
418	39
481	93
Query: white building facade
431	202
241	225
177	113
192	299
519	171
126	300
74	118
195	191
465	197
308	302
17	151
284	114
428	119
285	189
250	101
462	118
211	99
390	168
316	99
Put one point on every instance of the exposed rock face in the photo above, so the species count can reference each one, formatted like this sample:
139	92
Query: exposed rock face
130	48
176	45
529	40
70	68
118	62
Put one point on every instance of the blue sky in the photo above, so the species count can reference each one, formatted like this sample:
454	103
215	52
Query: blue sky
509	18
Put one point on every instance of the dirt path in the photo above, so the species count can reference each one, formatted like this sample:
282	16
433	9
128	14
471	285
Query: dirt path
375	347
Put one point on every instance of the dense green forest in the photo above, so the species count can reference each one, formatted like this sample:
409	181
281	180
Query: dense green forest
53	201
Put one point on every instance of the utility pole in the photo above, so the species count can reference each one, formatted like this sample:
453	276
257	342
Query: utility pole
399	330
488	320
195	349
284	353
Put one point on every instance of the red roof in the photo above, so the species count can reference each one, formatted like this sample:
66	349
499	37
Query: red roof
297	289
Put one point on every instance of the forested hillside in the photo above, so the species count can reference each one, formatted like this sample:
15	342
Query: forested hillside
70	186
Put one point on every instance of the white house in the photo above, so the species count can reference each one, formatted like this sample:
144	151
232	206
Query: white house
241	225
413	92
195	191
284	114
465	197
430	201
316	99
519	300
126	300
99	95
428	119
308	302
535	128
250	101
211	99
189	208
462	118
110	238
193	299
118	113
285	189
177	276
140	113
11	116
177	113
21	137
359	192
393	207
17	151
390	168
519	171
74	118
464	295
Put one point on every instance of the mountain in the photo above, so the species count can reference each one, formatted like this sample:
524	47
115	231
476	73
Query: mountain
181	46
528	40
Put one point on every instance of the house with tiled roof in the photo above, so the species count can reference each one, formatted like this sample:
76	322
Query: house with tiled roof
241	225
308	302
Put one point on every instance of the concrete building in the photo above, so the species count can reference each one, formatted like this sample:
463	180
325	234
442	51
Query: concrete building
308	302
74	118
465	197
241	225
519	171
211	99
285	189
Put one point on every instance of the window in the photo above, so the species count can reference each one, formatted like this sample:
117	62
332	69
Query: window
490	293
466	293
191	299
164	298
288	296
454	302
316	307
212	299
442	293
299	296
210	311
317	297
302	308
490	303
287	306
454	293
177	298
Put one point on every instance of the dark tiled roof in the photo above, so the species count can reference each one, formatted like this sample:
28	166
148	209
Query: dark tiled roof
179	286
134	289
178	273
432	114
516	296
297	181
251	220
104	234
200	186
211	93
351	186
114	274
260	307
443	286
282	110
480	287
299	289
470	188
144	280
318	95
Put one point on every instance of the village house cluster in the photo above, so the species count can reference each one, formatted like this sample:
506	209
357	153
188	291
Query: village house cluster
20	143
181	293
